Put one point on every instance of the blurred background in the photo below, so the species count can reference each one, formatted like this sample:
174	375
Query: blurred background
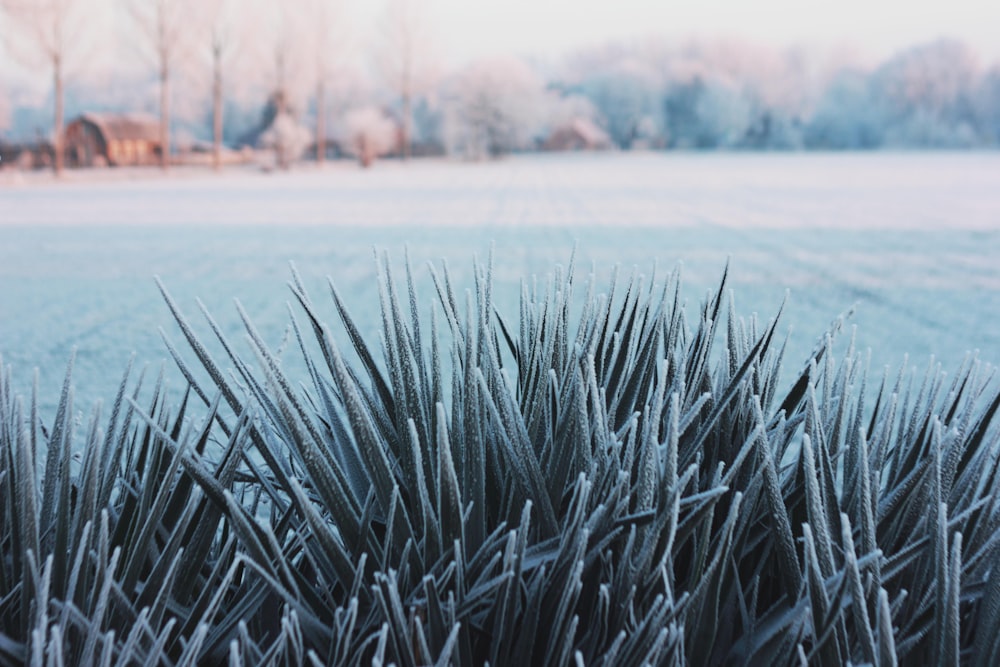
123	82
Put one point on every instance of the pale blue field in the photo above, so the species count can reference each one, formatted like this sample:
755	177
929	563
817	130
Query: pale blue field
912	239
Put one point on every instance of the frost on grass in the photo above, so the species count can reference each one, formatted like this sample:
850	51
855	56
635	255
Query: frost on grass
601	478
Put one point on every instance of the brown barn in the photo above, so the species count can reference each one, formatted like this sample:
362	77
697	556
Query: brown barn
99	139
580	134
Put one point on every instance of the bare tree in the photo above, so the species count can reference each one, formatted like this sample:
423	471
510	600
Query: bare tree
5	110
407	60
222	31
53	31
333	45
6	103
330	37
218	46
163	25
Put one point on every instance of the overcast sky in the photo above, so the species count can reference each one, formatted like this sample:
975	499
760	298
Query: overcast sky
863	31
876	28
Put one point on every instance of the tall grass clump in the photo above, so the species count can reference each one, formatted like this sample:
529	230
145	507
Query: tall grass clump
605	479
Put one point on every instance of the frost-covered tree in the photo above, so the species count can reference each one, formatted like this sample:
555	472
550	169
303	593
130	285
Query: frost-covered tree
283	50
163	26
5	110
926	129
328	27
625	86
287	138
222	33
428	125
280	53
724	115
939	76
698	94
848	117
626	94
494	107
988	105
407	58
707	114
369	134
929	92
782	89
680	112
57	34
727	93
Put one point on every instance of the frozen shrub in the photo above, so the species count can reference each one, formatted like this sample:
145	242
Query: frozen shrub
370	134
606	480
287	138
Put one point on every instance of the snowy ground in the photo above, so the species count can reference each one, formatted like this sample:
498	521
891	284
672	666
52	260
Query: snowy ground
912	239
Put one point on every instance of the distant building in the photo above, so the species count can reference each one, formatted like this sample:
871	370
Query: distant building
113	139
580	134
37	155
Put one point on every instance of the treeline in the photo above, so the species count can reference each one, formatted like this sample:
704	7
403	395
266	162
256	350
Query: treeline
698	96
299	79
706	96
734	96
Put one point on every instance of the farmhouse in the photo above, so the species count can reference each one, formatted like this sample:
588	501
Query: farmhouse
100	139
580	134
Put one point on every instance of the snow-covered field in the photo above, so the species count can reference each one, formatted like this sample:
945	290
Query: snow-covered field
912	239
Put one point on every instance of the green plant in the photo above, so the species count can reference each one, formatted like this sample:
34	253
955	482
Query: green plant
611	487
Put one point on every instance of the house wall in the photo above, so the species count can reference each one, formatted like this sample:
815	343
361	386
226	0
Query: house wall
132	152
84	145
87	146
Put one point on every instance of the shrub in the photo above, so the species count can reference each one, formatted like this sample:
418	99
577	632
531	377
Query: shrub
370	134
600	489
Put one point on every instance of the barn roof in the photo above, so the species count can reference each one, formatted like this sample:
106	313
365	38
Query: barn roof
590	132
134	126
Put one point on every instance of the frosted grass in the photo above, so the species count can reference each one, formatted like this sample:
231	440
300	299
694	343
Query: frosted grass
911	238
632	480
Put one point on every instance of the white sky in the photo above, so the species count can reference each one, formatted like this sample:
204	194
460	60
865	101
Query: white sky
876	28
864	31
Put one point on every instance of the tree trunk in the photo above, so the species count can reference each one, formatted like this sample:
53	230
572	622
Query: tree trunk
217	109
282	108
164	118
320	122
407	123
58	134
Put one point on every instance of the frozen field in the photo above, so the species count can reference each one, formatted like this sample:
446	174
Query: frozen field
912	239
